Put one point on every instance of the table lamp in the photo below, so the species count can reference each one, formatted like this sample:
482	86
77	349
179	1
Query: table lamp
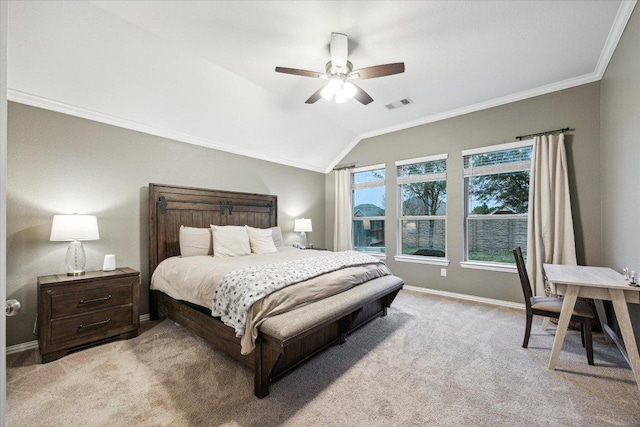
302	226
74	228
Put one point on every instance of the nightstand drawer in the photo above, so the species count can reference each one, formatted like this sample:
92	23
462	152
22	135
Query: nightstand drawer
91	325
118	292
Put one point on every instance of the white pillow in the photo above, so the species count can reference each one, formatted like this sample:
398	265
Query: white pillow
230	240
276	233
195	241
261	240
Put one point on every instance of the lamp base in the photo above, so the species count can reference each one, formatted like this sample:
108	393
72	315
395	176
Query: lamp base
75	273
76	259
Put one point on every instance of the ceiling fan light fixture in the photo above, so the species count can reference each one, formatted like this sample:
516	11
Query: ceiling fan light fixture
339	70
333	88
327	93
349	90
341	97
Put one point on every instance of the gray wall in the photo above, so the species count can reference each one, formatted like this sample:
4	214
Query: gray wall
620	156
620	151
577	108
62	164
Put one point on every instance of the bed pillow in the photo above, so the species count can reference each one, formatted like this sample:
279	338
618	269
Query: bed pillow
230	240
195	241
261	240
276	233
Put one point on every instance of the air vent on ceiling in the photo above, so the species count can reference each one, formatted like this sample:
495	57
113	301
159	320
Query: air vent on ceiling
398	104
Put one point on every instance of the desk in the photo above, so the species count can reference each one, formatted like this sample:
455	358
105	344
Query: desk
599	283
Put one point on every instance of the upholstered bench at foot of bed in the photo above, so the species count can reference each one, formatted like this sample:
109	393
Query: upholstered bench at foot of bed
289	339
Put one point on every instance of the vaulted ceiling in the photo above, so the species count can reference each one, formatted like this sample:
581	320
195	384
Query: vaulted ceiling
202	72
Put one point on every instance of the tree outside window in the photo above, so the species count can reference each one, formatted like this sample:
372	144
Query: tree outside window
423	189
497	202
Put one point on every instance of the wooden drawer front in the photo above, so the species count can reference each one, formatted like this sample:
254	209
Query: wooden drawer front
115	294
94	325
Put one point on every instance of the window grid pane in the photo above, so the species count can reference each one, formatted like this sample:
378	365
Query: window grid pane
424	237
368	197
423	208
493	240
497	194
518	159
368	235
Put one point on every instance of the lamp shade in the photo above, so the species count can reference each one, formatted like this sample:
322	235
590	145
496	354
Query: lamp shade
302	225
67	228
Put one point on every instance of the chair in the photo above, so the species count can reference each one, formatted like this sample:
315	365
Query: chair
551	306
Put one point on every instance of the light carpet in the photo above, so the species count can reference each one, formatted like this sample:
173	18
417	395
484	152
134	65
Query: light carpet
431	361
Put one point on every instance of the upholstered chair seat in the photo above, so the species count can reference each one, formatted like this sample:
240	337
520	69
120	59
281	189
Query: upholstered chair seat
554	305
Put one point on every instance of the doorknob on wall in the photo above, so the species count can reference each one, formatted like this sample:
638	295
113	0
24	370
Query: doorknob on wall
12	308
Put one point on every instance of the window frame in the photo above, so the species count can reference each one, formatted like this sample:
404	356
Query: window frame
354	187
400	181
489	265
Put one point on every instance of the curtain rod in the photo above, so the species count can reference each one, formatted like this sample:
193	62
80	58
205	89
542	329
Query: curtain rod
548	132
345	166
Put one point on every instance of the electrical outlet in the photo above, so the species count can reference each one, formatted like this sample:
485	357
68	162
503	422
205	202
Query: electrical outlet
443	272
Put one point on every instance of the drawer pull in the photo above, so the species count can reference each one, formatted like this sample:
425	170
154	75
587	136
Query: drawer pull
92	325
89	301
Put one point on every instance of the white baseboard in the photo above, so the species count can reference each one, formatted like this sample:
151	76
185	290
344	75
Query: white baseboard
490	301
34	344
22	347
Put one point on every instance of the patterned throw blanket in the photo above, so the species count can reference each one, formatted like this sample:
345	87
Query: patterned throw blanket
241	288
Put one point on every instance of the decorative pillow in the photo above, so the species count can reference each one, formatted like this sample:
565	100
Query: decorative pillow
230	240
195	241
261	240
276	233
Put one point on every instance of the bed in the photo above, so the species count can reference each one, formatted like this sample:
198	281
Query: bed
284	341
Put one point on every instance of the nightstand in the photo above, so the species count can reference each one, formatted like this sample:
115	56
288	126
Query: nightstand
77	311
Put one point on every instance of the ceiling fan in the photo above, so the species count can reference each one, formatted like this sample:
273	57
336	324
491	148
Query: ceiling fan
340	73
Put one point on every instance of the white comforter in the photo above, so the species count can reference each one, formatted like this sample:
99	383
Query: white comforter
196	278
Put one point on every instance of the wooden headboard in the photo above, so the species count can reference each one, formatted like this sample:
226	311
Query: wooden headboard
171	206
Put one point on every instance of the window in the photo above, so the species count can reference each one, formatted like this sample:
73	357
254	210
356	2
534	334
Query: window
422	207
368	195
497	201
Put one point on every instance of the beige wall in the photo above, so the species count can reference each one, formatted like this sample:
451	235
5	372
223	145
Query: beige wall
577	108
620	151
620	156
62	164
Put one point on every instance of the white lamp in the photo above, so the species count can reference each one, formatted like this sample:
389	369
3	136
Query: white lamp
74	228
302	226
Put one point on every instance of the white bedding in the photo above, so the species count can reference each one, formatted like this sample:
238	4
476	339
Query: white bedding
195	279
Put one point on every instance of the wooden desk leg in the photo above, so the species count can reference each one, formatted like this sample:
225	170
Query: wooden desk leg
563	323
624	321
602	316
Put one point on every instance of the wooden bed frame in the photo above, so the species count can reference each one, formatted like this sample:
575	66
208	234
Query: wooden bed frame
173	206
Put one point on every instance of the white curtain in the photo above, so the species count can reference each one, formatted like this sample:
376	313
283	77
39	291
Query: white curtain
342	230
550	237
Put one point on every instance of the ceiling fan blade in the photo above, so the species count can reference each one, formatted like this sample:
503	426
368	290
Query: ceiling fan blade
379	71
313	98
297	72
339	50
361	96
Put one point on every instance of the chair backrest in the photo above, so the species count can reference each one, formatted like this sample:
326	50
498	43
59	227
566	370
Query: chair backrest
524	277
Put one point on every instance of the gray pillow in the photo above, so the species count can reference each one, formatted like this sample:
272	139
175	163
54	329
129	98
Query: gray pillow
276	233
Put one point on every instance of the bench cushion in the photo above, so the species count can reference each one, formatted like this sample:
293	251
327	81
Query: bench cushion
293	323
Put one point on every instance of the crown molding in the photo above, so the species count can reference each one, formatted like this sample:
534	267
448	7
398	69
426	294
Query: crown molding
21	97
622	17
617	29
